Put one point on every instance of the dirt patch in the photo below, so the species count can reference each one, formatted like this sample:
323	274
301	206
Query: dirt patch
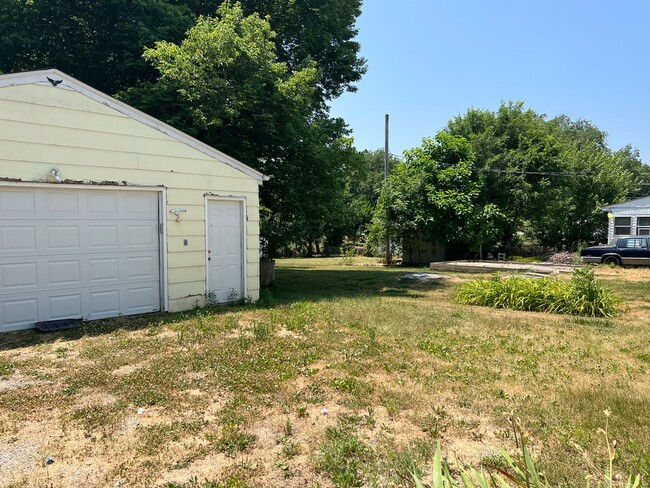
127	369
16	382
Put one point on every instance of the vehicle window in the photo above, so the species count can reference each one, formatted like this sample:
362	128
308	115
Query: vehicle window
622	226
632	244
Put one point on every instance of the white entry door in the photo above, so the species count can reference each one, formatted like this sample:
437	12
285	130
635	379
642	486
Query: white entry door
67	252
225	251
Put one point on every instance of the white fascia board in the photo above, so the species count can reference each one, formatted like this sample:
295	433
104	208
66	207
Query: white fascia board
70	83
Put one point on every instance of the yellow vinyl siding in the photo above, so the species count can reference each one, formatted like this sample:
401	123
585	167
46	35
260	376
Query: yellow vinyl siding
42	127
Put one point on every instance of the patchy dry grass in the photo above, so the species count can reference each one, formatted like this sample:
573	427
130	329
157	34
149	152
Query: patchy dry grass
339	376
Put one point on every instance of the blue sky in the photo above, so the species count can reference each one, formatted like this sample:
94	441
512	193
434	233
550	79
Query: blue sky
431	60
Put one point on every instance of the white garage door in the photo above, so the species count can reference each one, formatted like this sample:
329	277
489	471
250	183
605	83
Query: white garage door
70	253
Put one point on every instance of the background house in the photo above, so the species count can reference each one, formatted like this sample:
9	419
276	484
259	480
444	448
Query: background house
629	218
105	211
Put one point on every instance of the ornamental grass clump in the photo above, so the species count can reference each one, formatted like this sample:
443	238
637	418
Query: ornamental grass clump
582	295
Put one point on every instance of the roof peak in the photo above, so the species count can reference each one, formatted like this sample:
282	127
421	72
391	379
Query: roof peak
54	78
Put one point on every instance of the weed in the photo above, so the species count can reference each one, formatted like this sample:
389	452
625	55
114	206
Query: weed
349	255
342	456
61	352
288	428
262	330
435	422
211	299
583	295
406	462
233	440
301	412
520	470
6	368
98	418
233	295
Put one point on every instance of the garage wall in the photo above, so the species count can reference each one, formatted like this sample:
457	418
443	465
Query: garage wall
42	127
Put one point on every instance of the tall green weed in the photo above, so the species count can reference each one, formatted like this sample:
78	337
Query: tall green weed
583	295
520	470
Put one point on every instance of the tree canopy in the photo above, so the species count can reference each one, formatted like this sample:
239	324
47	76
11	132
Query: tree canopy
435	195
98	42
491	178
101	41
548	176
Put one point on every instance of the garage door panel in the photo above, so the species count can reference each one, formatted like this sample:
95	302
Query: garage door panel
140	236
102	270
58	261
19	311
141	299
140	205
61	203
14	239
63	306
102	204
62	238
63	272
141	267
104	302
103	237
18	275
17	203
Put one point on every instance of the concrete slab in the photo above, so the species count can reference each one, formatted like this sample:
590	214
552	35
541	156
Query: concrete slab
500	266
421	277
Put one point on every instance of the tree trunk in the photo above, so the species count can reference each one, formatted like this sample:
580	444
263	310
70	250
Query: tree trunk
267	272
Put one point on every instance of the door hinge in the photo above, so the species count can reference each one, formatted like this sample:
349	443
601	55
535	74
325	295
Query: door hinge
161	228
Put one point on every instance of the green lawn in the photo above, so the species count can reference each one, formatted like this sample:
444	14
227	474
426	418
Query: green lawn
339	376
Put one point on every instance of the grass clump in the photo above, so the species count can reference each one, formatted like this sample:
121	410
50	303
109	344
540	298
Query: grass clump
582	295
6	368
343	455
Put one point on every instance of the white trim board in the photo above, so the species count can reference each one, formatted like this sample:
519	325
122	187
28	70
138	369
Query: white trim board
70	83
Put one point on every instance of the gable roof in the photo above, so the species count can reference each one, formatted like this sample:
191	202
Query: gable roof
67	82
643	202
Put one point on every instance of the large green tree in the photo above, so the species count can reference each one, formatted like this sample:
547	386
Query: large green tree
363	181
435	195
548	176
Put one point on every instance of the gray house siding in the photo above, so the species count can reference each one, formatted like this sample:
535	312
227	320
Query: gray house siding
628	218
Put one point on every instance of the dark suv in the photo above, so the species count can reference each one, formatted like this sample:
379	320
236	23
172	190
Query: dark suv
632	250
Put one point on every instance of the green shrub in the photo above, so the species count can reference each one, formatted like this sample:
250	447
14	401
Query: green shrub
582	295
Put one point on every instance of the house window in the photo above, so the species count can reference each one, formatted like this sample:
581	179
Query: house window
622	226
643	226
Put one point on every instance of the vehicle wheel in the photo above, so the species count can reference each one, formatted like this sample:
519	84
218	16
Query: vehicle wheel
613	260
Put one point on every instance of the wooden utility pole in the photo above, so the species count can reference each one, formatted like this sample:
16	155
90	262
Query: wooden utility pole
386	170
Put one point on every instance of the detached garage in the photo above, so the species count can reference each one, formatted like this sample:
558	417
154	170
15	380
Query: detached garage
105	211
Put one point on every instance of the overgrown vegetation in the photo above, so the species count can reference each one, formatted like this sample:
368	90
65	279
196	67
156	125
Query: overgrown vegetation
519	470
340	375
583	295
